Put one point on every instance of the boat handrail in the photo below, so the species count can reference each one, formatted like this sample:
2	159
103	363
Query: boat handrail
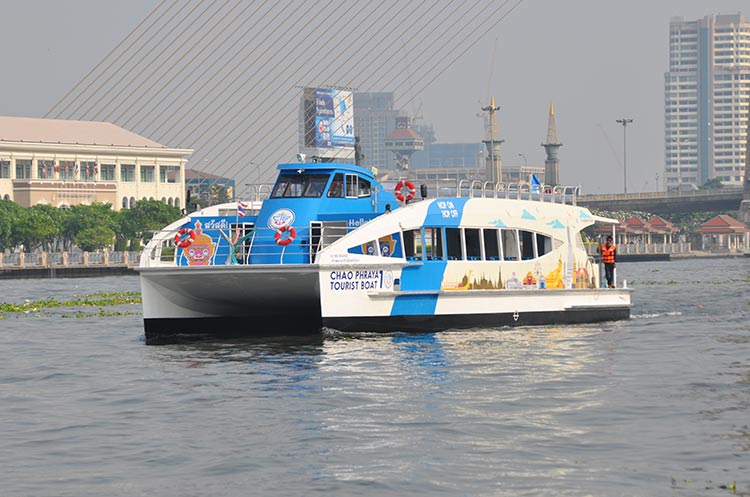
257	192
475	188
262	244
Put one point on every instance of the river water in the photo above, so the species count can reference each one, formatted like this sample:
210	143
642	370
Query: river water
657	405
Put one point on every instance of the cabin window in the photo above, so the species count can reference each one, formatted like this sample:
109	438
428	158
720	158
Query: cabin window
337	186
364	188
453	244
434	243
491	247
526	240
352	189
300	185
472	237
413	245
543	244
510	245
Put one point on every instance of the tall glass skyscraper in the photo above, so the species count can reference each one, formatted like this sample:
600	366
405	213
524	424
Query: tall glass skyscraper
707	100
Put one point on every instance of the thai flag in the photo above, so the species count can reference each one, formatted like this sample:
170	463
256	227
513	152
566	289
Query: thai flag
76	169
241	206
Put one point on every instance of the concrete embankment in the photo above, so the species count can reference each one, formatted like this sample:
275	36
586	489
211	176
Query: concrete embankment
64	272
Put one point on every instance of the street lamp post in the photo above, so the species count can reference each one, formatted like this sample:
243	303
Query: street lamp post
624	121
524	159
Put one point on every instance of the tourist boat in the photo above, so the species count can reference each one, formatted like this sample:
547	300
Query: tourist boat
332	248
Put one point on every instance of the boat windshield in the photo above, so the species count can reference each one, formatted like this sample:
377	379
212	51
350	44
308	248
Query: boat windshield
300	185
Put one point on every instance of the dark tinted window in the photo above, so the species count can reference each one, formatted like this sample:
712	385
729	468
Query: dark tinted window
453	243
300	185
543	244
491	248
473	247
527	244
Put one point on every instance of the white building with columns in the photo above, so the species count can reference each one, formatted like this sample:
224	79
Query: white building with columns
63	163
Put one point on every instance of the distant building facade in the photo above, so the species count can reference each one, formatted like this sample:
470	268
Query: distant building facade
707	100
208	189
449	160
375	119
63	163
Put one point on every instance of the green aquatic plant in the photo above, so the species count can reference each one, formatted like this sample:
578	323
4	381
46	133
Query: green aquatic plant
101	314
90	300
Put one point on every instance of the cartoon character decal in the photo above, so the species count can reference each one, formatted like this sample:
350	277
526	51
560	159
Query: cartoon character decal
200	251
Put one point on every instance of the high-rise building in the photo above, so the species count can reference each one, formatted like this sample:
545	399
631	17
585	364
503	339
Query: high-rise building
707	100
374	120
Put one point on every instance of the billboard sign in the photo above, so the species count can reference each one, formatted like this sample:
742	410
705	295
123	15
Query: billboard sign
329	118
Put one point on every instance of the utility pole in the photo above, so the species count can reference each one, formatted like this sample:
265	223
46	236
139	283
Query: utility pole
624	121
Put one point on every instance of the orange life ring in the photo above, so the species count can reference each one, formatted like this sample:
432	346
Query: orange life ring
289	239
187	241
409	194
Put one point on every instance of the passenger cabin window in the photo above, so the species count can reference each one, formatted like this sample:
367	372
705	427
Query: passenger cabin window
434	244
413	245
364	188
543	244
526	240
300	185
453	244
352	186
491	247
510	245
472	238
337	186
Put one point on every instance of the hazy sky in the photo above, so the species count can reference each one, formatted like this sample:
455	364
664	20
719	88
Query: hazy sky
597	60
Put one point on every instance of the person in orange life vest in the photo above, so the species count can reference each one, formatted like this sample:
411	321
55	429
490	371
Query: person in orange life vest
609	255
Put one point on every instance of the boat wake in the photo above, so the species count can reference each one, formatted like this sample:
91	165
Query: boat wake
656	315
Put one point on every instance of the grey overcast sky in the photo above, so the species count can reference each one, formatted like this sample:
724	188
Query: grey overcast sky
596	60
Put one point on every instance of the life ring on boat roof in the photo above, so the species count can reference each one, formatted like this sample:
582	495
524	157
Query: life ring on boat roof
409	194
183	241
292	234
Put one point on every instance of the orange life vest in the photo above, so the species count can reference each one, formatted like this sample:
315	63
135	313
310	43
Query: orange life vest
608	254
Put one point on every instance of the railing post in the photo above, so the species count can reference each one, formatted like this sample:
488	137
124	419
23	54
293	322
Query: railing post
105	258
21	260
65	259
43	259
86	259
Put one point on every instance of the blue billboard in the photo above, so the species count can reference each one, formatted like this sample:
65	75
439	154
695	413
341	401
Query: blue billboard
329	118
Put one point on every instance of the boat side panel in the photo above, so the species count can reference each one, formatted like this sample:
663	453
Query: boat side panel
435	323
161	331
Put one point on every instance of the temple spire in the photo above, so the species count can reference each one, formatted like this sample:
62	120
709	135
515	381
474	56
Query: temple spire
552	127
551	147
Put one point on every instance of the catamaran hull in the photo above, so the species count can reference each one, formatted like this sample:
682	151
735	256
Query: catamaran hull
188	304
181	304
432	323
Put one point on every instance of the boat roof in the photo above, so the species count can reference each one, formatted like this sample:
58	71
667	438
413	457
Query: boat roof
326	166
